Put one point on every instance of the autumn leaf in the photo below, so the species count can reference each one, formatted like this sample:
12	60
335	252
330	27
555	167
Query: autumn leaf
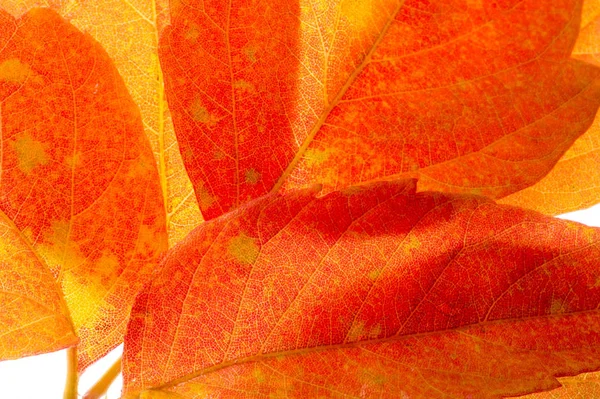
128	30
34	317
477	97
77	174
373	291
587	42
574	182
583	386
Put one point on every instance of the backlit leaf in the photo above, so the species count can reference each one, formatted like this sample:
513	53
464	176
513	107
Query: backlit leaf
129	30
587	42
78	177
34	317
574	182
583	386
469	96
373	291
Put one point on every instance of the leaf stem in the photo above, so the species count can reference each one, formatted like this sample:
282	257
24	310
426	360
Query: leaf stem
102	385
72	375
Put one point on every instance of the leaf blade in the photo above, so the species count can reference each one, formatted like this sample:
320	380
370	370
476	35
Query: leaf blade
445	92
368	266
78	178
129	32
34	317
572	183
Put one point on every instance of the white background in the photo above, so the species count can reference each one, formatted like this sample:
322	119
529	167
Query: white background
43	377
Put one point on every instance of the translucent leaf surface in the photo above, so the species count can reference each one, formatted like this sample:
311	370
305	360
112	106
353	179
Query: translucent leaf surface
373	291
77	174
128	30
476	97
574	182
34	317
583	386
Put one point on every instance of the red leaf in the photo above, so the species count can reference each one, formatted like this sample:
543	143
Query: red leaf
373	291
469	96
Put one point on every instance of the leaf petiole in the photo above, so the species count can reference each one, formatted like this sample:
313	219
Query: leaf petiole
102	385
72	375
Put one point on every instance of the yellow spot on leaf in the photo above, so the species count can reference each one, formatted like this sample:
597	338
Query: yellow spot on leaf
30	153
14	71
250	53
316	157
151	242
411	244
205	199
252	176
268	288
357	12
243	248
73	161
218	154
558	306
375	331
359	331
200	114
258	375
379	379
192	33
374	274
244	86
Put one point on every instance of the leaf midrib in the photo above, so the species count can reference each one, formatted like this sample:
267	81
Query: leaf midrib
359	345
340	94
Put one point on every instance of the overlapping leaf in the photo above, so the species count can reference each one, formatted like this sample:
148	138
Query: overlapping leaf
128	30
77	174
232	75
583	386
574	182
373	291
470	96
34	317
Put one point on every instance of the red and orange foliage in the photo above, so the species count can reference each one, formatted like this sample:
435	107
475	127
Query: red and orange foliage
373	291
341	92
78	178
574	181
34	317
362	287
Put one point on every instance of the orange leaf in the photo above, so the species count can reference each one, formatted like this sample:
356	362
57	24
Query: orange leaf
373	291
583	386
34	317
78	178
574	183
129	31
469	96
587	42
